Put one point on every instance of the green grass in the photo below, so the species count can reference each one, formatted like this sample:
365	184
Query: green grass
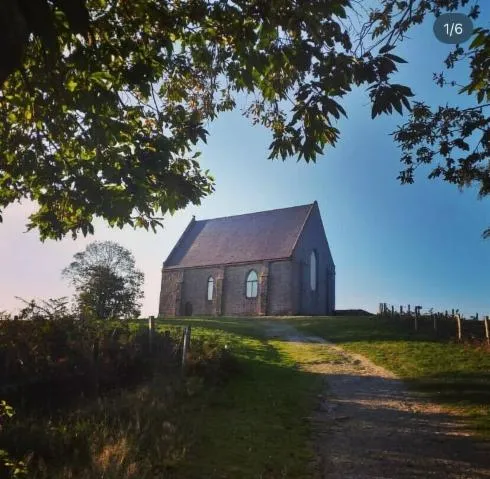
255	426
454	375
252	426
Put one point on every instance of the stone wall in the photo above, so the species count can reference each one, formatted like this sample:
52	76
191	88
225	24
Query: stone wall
170	293
322	300
280	288
235	301
195	290
186	290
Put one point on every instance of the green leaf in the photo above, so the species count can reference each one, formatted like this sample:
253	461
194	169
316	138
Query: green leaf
479	40
386	49
71	85
406	103
395	58
397	105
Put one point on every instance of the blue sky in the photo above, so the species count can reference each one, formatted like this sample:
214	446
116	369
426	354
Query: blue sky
415	244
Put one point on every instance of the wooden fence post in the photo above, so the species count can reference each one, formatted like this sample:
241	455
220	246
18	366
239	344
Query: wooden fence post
416	319
392	310
186	344
487	330
435	322
151	330
458	320
184	348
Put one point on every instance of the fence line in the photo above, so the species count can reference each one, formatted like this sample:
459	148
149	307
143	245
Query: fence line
472	327
186	340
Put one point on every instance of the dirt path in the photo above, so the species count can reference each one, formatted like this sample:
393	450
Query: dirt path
368	425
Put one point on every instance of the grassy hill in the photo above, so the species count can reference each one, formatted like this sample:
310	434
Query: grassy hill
456	375
245	417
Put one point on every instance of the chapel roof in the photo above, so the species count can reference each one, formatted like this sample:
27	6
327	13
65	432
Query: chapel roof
264	235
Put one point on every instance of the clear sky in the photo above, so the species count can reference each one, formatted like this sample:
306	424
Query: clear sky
416	244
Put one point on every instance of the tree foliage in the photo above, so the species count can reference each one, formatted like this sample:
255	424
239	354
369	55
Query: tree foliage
9	467
107	283
105	101
51	309
454	140
102	116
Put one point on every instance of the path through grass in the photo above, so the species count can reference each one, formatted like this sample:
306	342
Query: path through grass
454	375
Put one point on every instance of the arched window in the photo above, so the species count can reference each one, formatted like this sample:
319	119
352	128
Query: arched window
210	288
313	271
252	284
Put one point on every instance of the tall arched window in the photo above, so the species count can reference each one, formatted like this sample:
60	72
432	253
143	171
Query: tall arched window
313	271
252	284
210	288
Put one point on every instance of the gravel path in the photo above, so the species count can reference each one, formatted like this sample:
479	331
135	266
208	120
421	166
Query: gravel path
368	425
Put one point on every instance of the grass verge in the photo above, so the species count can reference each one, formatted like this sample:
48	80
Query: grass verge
255	426
250	426
454	375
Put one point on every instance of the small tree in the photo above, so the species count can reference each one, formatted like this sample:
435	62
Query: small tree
53	308
107	283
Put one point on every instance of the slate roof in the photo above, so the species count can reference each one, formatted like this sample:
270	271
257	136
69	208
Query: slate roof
266	235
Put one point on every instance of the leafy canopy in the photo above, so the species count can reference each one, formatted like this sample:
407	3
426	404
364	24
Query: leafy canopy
454	140
107	283
104	101
102	116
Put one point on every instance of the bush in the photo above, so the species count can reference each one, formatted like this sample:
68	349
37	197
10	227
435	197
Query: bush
9	467
212	362
134	428
48	364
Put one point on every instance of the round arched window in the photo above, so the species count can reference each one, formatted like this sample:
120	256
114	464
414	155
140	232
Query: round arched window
210	288
313	271
252	285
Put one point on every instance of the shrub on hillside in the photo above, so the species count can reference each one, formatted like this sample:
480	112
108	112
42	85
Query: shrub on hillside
129	433
47	363
212	362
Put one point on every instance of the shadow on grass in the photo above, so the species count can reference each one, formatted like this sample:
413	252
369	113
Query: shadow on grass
255	425
458	387
470	392
248	327
230	430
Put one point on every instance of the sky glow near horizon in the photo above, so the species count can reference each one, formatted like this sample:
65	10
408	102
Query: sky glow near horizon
417	244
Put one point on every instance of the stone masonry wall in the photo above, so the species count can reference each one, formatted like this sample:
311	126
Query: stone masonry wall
284	286
322	300
170	293
280	288
195	290
235	301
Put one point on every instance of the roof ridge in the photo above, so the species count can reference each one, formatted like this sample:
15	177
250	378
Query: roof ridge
181	239
257	212
241	238
307	217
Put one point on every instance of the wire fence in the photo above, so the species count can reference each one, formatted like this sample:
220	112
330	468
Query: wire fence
447	324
